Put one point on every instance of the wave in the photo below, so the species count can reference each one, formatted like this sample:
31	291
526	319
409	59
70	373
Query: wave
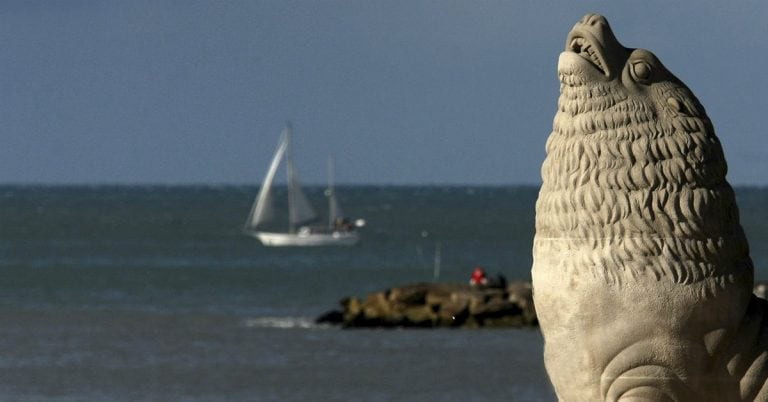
281	322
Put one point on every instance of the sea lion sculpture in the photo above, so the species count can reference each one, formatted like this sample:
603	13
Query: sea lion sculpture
642	277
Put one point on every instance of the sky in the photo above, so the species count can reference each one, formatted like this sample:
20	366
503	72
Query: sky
403	92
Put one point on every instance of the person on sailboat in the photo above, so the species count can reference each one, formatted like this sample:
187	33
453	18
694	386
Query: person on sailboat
343	224
478	277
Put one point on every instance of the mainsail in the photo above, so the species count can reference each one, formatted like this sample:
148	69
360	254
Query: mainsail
299	209
262	209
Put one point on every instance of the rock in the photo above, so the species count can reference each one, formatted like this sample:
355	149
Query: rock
353	311
453	313
333	317
419	316
521	293
376	306
412	294
439	305
496	308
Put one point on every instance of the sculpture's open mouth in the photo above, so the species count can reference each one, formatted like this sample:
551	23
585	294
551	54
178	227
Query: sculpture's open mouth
586	46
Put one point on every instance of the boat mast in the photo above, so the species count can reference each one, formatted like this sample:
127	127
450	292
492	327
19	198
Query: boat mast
331	195
334	208
299	209
290	173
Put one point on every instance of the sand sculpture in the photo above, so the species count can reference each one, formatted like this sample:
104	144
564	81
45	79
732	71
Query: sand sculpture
642	277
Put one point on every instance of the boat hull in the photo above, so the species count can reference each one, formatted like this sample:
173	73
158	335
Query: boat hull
336	238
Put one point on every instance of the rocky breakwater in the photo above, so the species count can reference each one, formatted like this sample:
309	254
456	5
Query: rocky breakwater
439	305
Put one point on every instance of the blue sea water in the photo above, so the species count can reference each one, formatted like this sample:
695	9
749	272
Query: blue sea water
113	293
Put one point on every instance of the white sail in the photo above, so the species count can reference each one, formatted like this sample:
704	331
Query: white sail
334	208
335	211
262	209
300	211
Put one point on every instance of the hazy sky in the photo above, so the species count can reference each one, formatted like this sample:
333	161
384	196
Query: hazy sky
401	92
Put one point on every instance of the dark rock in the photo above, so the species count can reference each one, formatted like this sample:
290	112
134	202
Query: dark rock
496	308
411	294
419	316
453	313
333	317
440	305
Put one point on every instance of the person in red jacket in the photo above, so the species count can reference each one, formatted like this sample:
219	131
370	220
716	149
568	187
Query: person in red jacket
478	277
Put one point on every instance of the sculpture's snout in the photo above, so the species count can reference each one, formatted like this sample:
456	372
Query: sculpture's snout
593	19
593	39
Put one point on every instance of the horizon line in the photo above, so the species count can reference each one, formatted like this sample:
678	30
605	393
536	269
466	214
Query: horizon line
310	184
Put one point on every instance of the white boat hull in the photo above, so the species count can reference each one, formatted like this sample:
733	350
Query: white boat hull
336	238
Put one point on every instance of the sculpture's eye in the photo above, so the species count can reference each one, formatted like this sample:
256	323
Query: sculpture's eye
641	71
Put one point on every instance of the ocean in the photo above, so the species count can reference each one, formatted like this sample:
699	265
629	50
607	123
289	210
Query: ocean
151	293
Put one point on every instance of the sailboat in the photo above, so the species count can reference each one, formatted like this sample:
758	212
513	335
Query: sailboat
339	230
